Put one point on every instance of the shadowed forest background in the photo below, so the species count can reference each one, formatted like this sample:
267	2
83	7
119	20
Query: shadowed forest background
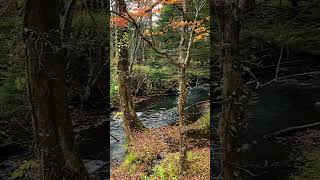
266	118
83	49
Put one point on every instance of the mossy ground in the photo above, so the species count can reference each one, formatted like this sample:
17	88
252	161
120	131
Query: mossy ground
154	154
306	148
311	168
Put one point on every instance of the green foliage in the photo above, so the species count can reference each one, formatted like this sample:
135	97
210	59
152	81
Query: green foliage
198	73
274	32
130	159
152	80
311	169
144	177
204	121
169	167
12	93
130	163
155	77
12	76
163	73
114	87
24	168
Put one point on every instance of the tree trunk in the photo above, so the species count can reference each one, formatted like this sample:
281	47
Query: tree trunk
130	118
54	136
234	91
183	92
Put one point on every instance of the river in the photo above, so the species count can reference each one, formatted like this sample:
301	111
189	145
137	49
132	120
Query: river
271	108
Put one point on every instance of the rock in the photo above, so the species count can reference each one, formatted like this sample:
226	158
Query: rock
317	104
94	165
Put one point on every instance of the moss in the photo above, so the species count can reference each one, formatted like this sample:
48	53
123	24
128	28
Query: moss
198	165
311	169
204	121
130	159
24	168
12	80
147	147
130	163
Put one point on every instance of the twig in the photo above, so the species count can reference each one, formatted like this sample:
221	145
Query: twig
247	171
115	138
254	76
300	74
293	75
279	61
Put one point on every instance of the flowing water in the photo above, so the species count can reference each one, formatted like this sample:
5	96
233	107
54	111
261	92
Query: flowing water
271	108
274	107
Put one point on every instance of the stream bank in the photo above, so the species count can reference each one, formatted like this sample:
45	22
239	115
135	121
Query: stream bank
304	148
154	154
151	151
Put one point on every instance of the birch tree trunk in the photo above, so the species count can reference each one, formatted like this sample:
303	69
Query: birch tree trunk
185	44
54	136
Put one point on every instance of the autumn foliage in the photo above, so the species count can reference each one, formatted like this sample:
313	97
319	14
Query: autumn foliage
143	9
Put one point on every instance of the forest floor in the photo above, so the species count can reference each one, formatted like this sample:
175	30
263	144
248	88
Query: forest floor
154	154
304	148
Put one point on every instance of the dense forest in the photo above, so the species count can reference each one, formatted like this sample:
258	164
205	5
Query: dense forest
160	89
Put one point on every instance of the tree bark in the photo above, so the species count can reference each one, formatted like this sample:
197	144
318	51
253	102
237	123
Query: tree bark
130	118
234	92
54	136
183	92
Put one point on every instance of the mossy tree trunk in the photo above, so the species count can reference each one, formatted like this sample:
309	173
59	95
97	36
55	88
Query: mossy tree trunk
186	40
131	121
234	90
54	136
183	92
